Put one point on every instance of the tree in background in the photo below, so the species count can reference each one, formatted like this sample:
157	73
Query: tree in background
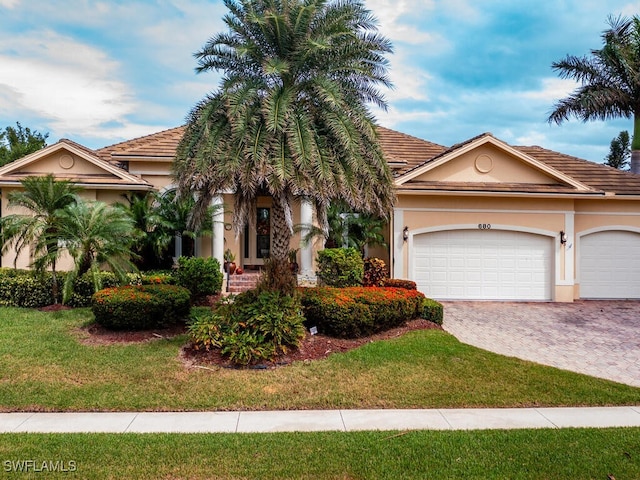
290	118
610	82
18	142
39	230
619	152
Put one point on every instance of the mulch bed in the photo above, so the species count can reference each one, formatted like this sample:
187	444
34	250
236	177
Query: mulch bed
313	347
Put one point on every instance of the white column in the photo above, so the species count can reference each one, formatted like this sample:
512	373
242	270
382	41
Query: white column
306	252
569	263
217	247
398	244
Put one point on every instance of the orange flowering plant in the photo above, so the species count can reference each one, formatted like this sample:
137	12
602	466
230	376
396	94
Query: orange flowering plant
359	311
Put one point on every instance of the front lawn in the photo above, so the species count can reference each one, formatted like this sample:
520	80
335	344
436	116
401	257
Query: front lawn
523	454
44	366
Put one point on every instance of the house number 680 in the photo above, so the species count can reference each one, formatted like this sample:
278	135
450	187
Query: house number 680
484	226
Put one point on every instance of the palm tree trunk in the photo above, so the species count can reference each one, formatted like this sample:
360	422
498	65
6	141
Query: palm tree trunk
635	144
281	239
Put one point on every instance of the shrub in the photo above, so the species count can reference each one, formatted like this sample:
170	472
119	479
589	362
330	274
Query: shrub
201	276
400	283
139	307
27	288
340	267
359	311
83	288
432	311
375	272
256	326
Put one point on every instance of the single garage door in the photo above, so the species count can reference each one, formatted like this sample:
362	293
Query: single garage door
610	265
483	265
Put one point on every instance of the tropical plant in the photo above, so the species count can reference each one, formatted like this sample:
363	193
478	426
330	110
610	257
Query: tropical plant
17	142
610	84
158	219
347	228
39	230
290	118
619	151
96	234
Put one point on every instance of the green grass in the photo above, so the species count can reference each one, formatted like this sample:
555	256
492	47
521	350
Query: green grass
45	367
520	454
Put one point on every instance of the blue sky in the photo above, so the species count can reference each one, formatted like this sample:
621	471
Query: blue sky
99	72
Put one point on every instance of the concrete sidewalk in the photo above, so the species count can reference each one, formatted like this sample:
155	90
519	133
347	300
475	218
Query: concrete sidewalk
319	420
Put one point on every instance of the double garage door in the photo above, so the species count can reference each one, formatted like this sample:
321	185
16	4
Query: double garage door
609	265
483	265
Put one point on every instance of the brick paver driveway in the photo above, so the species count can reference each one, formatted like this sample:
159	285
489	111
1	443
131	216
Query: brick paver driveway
598	338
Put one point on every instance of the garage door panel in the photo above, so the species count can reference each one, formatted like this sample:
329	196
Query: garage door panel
610	265
483	264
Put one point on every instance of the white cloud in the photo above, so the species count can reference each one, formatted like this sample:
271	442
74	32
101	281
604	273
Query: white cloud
9	3
73	85
389	14
553	89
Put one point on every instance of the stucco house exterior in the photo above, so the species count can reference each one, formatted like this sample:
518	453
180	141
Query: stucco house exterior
481	220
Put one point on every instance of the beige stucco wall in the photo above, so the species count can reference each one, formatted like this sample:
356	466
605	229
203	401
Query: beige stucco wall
487	163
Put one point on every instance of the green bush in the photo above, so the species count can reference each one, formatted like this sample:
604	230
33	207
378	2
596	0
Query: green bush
399	283
432	311
201	276
140	307
27	288
252	328
359	311
375	272
340	267
83	288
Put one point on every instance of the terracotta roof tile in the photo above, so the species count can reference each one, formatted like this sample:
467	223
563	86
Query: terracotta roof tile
595	175
488	187
161	144
406	151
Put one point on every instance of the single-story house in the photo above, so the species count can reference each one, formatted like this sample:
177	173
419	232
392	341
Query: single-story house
481	220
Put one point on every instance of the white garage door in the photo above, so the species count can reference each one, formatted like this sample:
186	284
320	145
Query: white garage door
610	265
483	265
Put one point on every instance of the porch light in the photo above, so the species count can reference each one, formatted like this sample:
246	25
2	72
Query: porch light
405	233
563	237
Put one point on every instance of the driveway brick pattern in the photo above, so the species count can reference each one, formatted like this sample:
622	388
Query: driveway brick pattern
597	338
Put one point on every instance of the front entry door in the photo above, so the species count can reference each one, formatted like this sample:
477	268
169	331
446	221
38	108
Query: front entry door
257	244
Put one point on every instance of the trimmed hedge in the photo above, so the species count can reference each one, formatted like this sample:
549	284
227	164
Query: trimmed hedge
340	267
201	276
432	311
399	283
359	311
140	307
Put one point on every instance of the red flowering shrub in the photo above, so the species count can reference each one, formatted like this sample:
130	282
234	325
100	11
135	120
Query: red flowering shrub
359	311
399	283
140	307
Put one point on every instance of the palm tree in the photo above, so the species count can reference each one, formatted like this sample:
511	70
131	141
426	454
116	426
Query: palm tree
45	199
610	83
290	117
96	234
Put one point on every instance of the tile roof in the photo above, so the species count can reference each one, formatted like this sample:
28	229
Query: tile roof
158	145
406	153
595	175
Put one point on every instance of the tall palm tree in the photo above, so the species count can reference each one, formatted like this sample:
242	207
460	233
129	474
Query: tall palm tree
96	234
610	81
290	118
44	198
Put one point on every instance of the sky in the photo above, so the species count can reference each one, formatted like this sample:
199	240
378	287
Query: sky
100	72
